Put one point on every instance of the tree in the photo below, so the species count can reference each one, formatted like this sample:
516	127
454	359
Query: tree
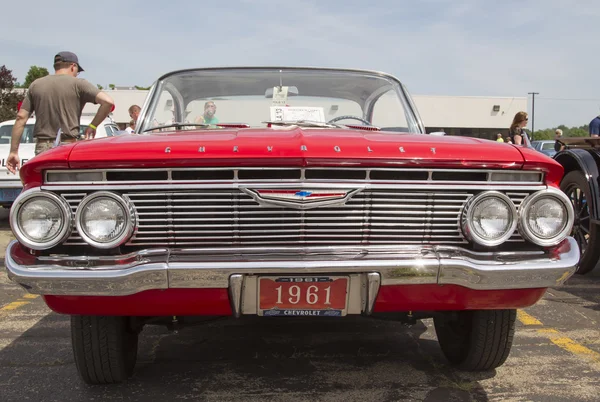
33	74
141	88
111	86
100	87
9	99
549	133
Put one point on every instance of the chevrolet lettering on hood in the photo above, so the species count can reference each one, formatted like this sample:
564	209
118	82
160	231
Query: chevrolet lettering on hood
288	192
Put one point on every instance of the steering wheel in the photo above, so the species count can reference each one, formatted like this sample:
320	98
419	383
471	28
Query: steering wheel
349	117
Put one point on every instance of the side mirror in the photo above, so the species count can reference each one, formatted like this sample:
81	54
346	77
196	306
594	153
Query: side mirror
292	91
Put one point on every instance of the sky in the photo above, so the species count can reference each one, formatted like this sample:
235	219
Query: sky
435	47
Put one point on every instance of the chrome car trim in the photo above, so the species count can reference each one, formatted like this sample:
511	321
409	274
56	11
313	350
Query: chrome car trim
298	204
301	175
192	268
225	217
467	218
63	206
321	183
236	284
524	208
373	283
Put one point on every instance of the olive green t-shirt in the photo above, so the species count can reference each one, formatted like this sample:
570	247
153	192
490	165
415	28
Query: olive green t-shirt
57	101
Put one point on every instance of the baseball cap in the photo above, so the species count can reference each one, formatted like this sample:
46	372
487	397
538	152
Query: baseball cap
69	57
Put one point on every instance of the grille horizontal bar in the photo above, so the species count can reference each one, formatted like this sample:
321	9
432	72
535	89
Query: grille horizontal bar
277	174
209	218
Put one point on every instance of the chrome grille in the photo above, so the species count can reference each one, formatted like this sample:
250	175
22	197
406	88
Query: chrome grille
229	217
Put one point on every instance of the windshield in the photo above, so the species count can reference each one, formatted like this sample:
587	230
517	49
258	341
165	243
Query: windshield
253	97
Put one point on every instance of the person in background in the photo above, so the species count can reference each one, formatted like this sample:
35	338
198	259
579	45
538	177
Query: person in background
134	112
57	101
516	131
131	127
499	138
209	114
595	126
558	145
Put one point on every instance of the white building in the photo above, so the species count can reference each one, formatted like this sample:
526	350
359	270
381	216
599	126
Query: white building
471	116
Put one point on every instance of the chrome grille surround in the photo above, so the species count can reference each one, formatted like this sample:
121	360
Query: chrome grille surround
270	174
213	214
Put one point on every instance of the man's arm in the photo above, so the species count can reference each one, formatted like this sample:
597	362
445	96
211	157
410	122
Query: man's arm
106	104
12	162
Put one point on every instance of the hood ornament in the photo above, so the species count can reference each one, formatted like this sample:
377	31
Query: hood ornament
300	197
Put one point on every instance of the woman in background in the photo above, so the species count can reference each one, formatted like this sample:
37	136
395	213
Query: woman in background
516	131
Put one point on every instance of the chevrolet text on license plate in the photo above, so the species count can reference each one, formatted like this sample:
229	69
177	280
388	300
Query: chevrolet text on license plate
288	296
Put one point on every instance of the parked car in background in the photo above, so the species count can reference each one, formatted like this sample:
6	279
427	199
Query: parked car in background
309	193
544	146
10	184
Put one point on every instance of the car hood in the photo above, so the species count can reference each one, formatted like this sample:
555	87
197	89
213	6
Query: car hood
291	146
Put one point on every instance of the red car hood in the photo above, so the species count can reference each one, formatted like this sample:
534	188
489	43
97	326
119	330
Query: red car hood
291	146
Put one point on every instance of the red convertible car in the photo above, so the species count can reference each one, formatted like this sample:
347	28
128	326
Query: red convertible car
288	192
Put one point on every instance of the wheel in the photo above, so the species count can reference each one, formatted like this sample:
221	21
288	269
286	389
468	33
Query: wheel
105	349
476	340
575	186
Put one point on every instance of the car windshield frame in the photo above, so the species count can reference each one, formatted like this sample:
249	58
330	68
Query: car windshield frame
184	94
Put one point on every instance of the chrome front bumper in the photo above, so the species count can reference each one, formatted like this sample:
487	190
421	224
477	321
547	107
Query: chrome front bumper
214	268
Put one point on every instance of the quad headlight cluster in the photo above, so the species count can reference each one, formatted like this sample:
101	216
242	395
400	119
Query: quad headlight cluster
544	218
42	220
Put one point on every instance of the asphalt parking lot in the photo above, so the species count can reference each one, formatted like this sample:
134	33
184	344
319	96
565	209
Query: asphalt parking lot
555	357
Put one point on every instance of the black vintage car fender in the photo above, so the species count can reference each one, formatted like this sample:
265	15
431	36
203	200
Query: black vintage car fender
581	183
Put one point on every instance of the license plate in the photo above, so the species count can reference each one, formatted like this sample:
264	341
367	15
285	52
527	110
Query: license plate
9	194
295	296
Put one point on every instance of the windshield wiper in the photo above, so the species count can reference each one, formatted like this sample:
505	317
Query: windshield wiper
304	123
177	125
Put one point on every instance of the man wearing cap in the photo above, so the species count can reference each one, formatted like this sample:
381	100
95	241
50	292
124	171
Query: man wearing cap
57	101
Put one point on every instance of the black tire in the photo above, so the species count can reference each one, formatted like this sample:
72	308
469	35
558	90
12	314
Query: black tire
575	186
476	340
105	349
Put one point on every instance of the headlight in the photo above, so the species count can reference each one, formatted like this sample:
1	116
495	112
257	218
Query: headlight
489	218
40	220
546	217
105	220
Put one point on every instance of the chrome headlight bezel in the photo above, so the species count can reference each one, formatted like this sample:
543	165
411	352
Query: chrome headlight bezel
130	222
63	207
526	231
467	218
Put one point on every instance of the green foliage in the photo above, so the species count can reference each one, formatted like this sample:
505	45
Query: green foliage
100	87
111	86
141	88
9	99
33	74
548	134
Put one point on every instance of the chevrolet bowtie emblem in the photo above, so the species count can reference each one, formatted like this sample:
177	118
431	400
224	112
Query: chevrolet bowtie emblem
299	198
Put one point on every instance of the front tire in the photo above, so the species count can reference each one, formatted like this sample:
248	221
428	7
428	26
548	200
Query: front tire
476	340
575	186
104	347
